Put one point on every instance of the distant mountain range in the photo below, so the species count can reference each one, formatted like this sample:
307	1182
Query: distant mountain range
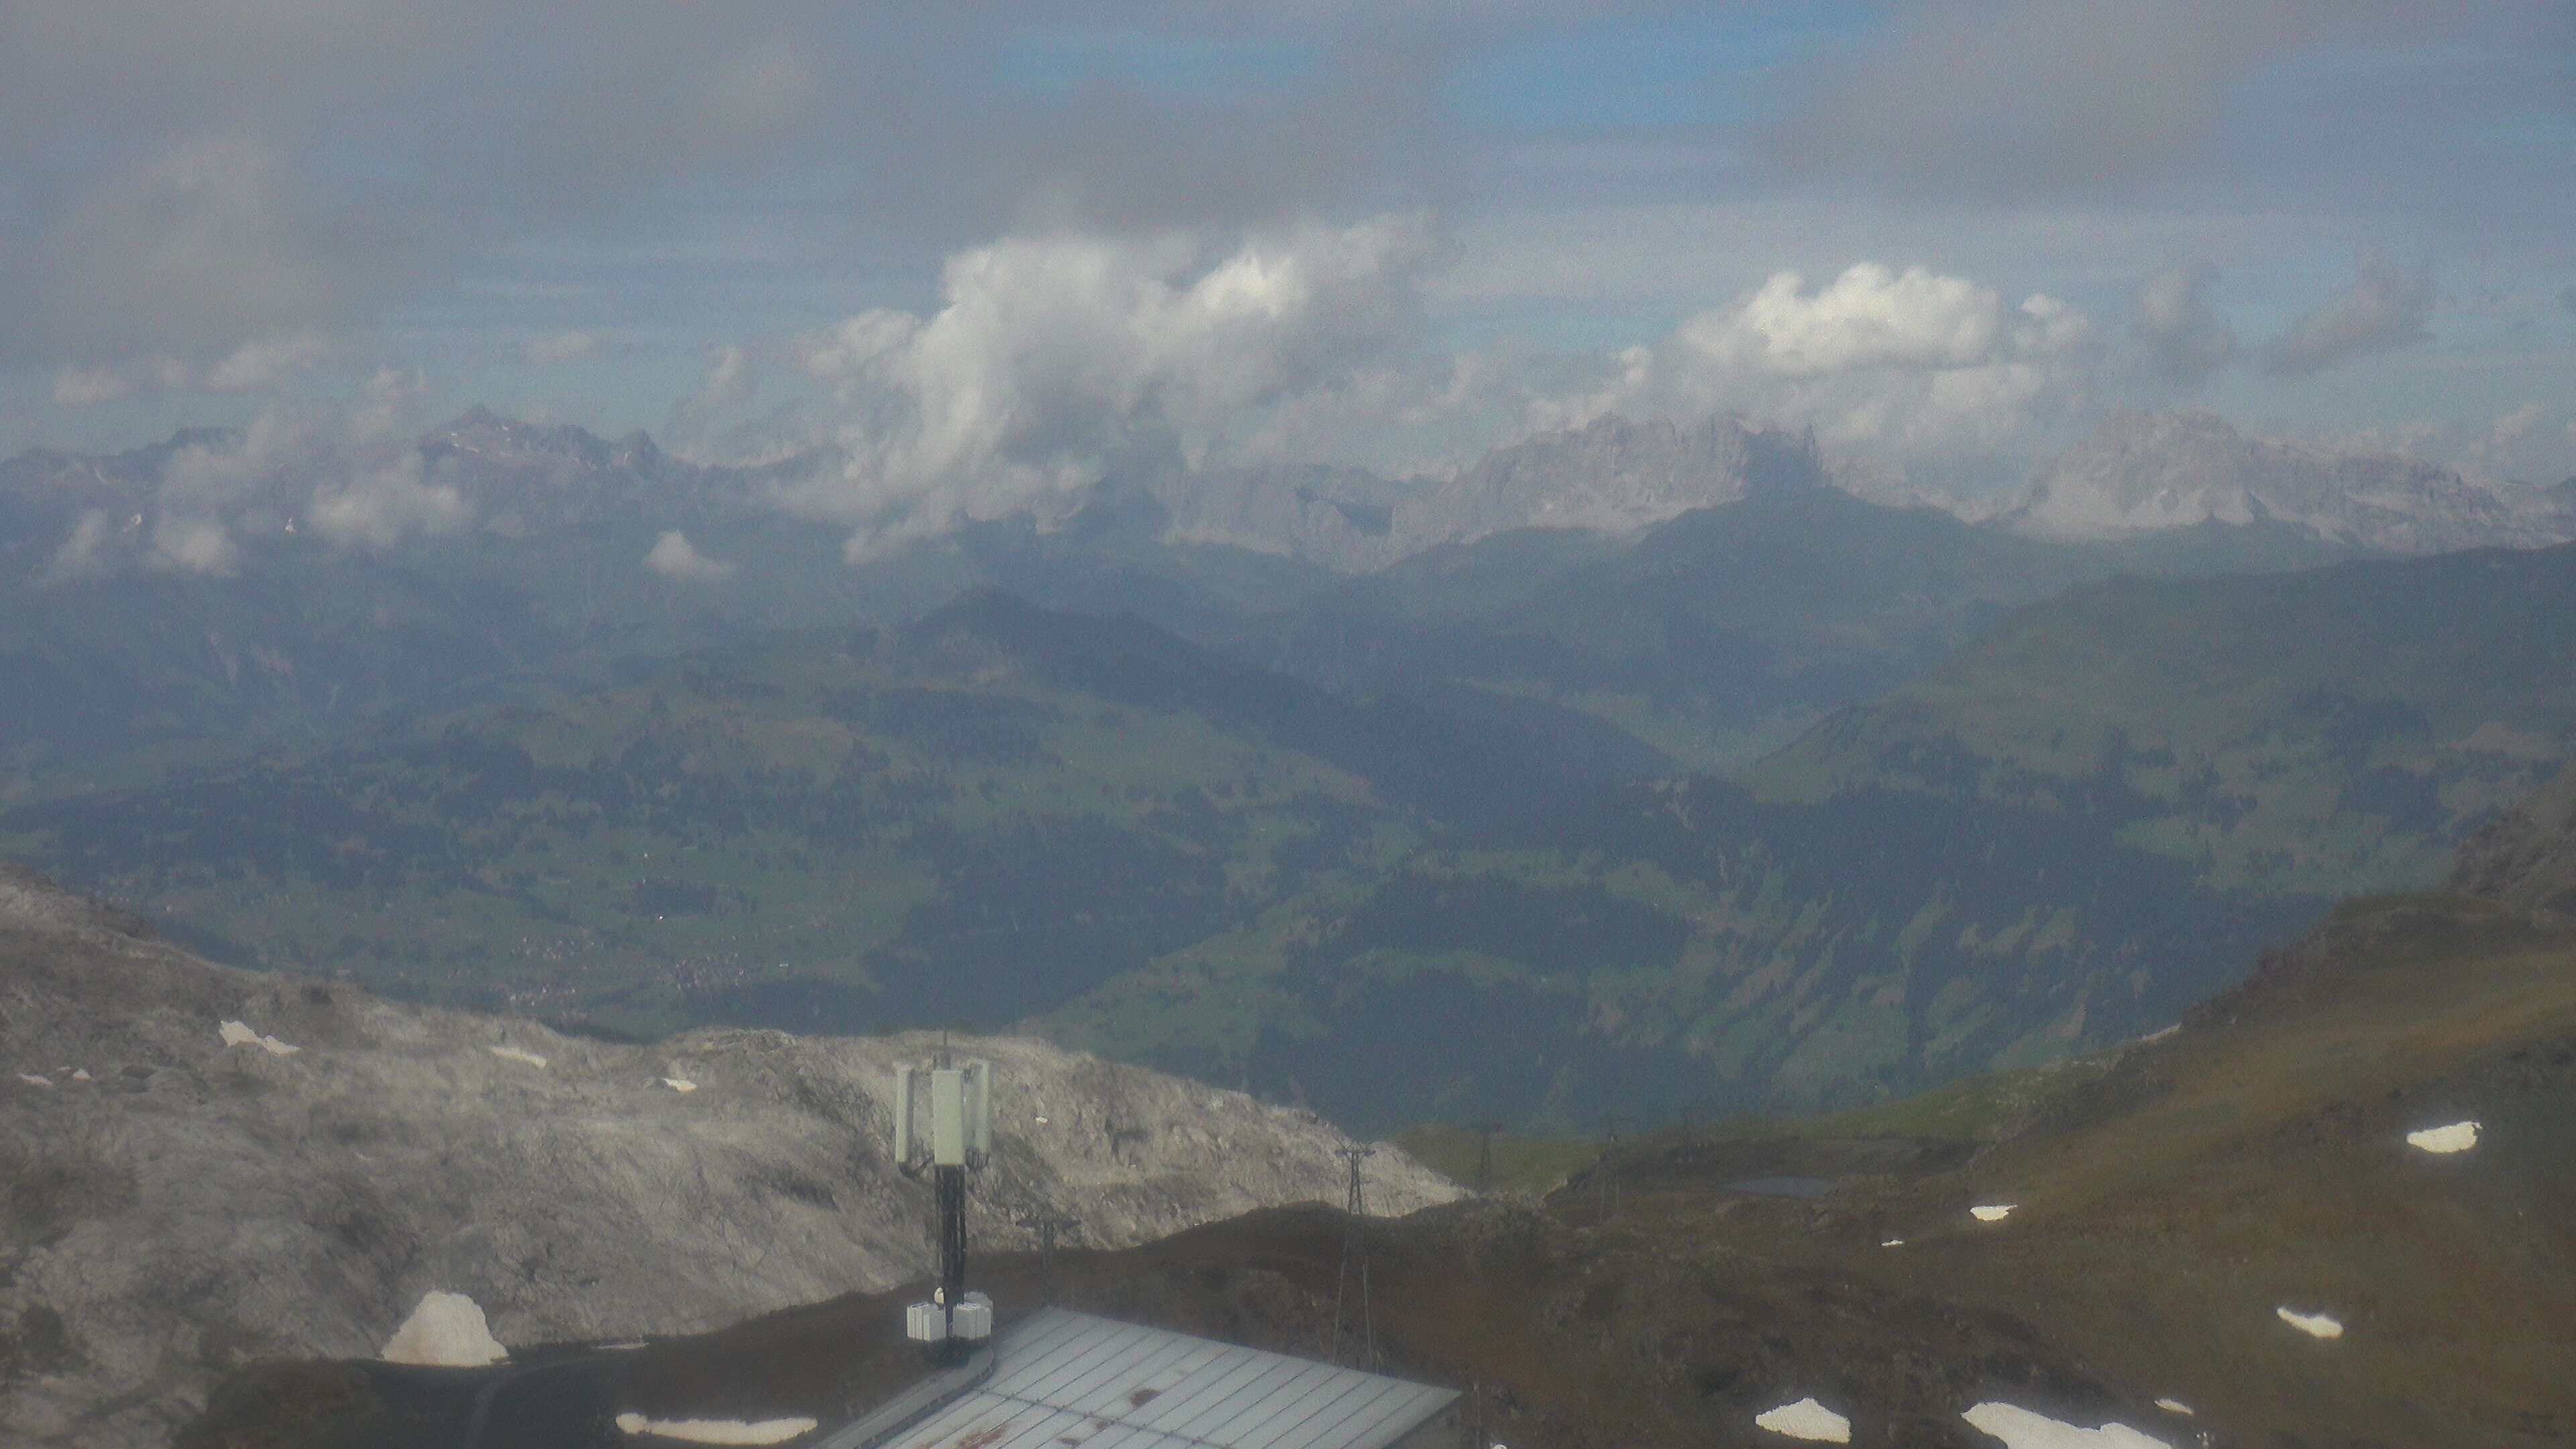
2141	472
1736	790
1455	900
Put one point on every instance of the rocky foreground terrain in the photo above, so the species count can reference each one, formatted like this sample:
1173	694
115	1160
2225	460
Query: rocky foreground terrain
180	1197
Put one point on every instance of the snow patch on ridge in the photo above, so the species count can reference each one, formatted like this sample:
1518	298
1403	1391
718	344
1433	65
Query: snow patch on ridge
1992	1212
2458	1137
715	1431
2022	1429
1806	1419
237	1033
679	1084
517	1054
446	1330
2317	1325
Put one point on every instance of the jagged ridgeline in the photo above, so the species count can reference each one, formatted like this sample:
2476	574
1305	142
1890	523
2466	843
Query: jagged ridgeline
2084	821
969	820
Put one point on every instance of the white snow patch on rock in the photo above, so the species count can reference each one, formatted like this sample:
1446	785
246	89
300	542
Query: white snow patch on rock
236	1033
517	1054
81	1075
2317	1325
1893	1243
32	1080
2160	1033
1806	1419
2458	1137
2021	1429
679	1084
716	1431
2175	1406
446	1330
1992	1212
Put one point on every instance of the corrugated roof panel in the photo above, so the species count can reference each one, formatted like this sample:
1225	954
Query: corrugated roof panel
1244	1380
1072	1381
1324	1416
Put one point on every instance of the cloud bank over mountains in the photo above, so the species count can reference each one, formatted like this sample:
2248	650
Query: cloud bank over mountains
2383	308
1163	232
1051	362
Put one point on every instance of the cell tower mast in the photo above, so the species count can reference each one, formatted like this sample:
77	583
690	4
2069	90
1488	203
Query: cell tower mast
960	1104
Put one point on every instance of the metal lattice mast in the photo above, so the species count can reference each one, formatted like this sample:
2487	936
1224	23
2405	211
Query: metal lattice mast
960	1102
1354	1208
1047	1225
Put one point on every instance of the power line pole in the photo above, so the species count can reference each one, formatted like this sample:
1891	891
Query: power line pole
1484	1157
1353	1210
1609	1170
1048	1225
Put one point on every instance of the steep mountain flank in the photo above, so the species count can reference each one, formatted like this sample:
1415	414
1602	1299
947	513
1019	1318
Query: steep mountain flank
2526	858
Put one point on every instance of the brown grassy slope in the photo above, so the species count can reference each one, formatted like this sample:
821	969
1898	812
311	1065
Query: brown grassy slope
2264	1164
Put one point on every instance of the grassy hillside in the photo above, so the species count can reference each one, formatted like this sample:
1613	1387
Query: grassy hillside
2334	730
1689	949
961	822
2087	818
1720	635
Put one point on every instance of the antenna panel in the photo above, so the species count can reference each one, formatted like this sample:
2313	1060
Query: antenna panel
979	1108
903	1077
948	1119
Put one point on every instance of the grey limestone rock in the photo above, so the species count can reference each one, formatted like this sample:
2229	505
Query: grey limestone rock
172	1207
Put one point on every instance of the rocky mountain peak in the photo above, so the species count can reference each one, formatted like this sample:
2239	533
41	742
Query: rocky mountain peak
1612	474
309	1160
2139	472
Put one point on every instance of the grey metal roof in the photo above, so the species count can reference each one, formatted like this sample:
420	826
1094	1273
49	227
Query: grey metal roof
1067	1379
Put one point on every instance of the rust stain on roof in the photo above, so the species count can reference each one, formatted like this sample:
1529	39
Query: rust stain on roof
1142	1397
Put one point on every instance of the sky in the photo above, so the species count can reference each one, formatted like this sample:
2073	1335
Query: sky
990	252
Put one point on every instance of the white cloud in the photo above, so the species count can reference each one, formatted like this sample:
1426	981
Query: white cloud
2383	308
345	469
557	347
83	554
2532	442
1053	362
262	362
723	383
197	247
2017	98
81	387
674	557
378	507
1884	364
2185	338
193	546
1869	316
